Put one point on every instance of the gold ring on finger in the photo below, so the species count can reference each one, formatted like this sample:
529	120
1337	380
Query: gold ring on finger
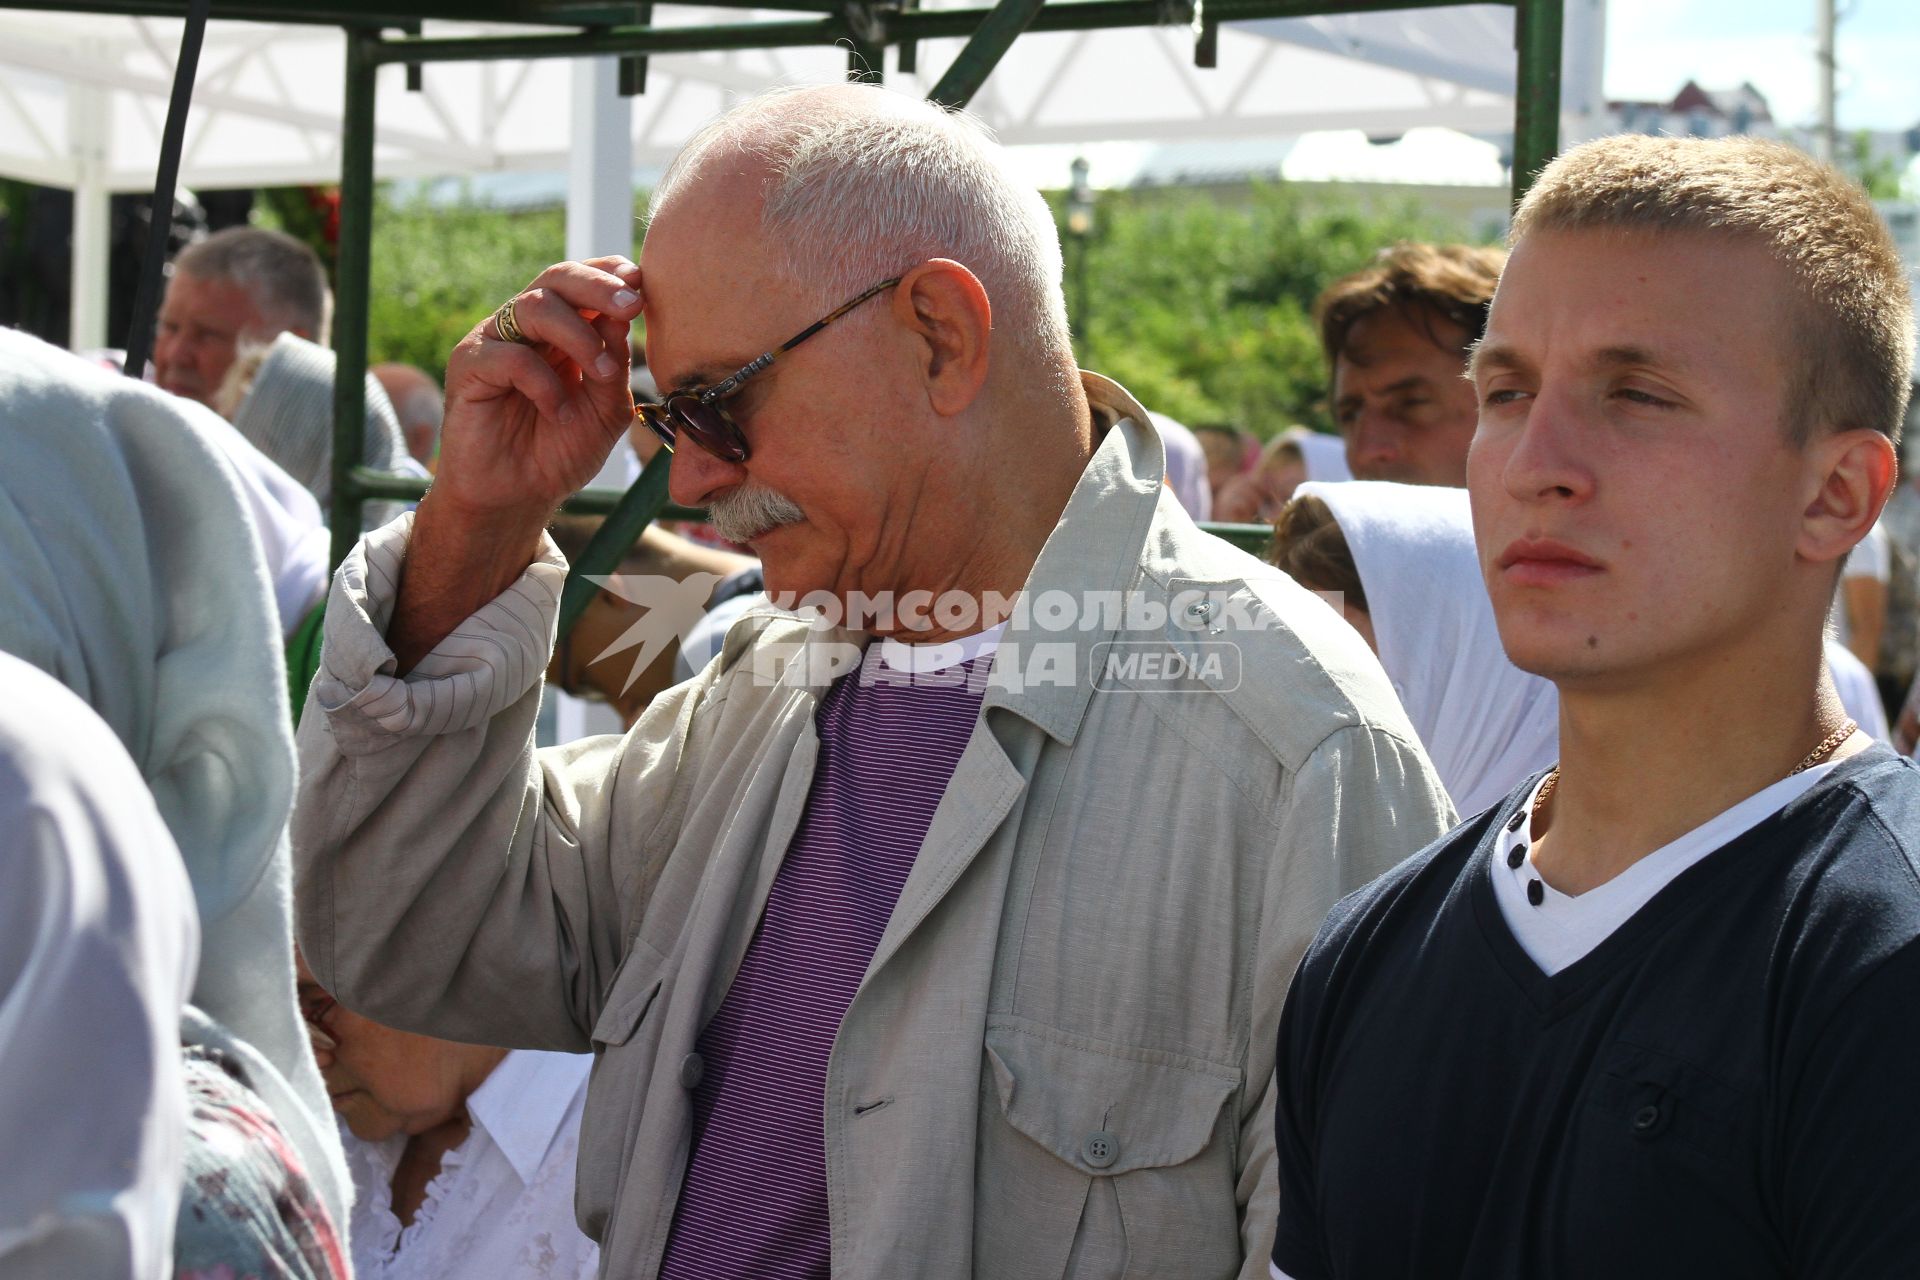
504	321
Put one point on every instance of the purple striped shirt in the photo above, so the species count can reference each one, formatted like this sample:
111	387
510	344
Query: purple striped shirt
754	1202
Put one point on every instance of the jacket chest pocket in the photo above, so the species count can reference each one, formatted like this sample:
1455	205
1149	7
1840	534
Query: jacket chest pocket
1101	1160
621	1071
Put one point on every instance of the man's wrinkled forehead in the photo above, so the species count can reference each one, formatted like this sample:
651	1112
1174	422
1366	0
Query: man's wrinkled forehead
1399	330
710	276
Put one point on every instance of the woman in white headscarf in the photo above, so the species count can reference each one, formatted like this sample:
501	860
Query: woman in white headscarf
129	572
1325	456
1289	460
1417	595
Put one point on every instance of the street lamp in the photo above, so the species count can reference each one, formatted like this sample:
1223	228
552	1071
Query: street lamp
1080	228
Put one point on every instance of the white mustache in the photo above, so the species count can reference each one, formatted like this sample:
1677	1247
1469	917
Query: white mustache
749	511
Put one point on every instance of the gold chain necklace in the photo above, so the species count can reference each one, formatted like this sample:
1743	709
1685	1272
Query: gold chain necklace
1824	748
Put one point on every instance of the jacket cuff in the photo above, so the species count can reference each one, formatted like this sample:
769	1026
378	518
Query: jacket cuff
486	665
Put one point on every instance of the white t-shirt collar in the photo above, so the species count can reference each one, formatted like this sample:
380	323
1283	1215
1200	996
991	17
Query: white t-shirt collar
1556	929
924	659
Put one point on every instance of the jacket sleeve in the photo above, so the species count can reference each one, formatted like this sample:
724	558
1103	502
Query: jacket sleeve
452	880
1365	800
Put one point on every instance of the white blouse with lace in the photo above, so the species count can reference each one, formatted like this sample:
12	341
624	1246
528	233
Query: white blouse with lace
501	1207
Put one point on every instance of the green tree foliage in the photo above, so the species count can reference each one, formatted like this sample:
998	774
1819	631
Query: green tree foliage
310	215
1202	306
1880	175
437	267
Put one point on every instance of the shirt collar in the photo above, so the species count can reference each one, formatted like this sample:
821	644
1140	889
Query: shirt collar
1095	547
925	659
524	1102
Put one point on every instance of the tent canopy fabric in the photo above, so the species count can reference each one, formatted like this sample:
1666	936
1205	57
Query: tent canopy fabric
83	97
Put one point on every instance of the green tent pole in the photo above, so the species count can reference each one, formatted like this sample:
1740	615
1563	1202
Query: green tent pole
1537	31
352	296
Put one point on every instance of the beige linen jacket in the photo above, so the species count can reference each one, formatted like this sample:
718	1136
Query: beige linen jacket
1060	1062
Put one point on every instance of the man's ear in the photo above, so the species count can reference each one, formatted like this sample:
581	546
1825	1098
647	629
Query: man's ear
1855	472
946	307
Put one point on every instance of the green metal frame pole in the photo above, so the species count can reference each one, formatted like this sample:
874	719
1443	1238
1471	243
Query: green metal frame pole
1101	15
866	61
376	485
1254	539
353	296
604	502
991	40
619	40
610	543
1538	27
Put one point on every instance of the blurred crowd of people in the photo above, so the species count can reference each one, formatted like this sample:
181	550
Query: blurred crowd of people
816	973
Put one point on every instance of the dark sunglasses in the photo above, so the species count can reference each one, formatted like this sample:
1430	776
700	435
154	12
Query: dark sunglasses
698	410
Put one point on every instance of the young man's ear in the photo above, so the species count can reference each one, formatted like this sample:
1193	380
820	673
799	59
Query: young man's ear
1855	472
946	306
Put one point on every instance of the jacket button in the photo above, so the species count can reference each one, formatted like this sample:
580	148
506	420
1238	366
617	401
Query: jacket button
1646	1119
1100	1149
693	1069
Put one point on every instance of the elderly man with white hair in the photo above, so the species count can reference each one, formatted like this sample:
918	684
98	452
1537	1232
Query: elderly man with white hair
944	933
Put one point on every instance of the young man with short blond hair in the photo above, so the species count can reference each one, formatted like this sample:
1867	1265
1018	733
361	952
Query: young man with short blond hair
1652	1015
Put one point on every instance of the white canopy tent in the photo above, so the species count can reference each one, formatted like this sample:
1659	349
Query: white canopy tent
83	100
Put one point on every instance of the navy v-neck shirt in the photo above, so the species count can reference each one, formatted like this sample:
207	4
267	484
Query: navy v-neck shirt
1728	1086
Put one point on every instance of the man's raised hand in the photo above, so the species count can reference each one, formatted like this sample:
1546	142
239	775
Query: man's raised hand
530	421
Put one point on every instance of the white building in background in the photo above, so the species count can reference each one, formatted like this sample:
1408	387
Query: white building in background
1695	112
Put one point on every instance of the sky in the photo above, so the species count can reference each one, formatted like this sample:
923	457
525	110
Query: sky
1654	46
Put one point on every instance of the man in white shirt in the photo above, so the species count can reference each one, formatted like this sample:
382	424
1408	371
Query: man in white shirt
286	522
239	286
462	1155
1660	999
